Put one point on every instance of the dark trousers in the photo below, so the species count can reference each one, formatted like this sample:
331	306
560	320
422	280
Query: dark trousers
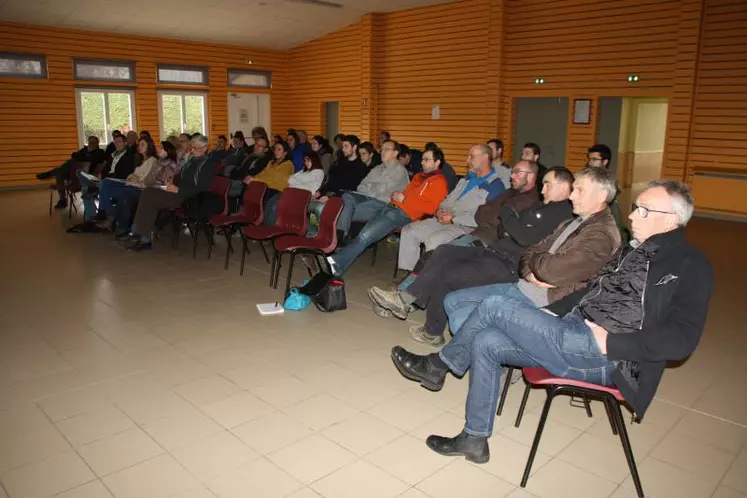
61	174
453	268
152	200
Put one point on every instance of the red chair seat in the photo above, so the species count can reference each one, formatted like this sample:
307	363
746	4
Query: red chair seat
292	242
541	377
264	232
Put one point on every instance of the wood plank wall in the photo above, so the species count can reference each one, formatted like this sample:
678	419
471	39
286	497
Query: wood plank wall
38	128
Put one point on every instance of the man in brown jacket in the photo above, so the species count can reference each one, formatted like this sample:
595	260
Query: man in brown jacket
560	264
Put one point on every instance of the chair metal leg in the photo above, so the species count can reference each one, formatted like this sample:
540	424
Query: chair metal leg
244	251
609	407
51	194
290	273
522	405
504	391
210	233
264	251
195	233
623	433
275	263
587	405
71	197
227	234
176	225
538	435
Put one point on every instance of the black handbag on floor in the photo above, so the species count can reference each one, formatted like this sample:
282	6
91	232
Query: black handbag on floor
326	291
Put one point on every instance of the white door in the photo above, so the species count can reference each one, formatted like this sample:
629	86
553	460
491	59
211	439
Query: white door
182	112
101	111
247	110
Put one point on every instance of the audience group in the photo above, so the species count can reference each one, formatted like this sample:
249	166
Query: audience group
527	265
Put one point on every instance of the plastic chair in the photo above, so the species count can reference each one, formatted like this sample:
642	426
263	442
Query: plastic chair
611	397
323	243
219	187
291	219
252	213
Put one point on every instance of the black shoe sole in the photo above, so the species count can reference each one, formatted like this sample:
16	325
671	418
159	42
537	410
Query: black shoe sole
406	374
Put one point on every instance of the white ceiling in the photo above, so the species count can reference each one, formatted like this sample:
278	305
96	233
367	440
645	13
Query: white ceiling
276	24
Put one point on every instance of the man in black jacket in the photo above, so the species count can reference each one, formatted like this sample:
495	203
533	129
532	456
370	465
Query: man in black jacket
195	178
88	157
646	307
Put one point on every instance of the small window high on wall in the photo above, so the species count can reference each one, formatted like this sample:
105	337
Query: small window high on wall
104	70
251	79
182	75
23	65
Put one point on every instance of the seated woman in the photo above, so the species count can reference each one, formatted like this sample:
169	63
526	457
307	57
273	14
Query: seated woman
276	174
368	154
321	146
309	178
162	174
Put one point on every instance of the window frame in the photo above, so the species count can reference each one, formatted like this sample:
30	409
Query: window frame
93	89
105	62
26	56
205	70
182	94
267	74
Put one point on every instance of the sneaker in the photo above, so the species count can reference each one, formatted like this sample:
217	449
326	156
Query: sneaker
419	334
333	266
382	312
389	300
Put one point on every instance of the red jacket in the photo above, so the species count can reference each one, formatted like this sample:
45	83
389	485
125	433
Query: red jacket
423	195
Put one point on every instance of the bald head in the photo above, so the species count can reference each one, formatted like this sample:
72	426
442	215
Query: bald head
480	160
524	175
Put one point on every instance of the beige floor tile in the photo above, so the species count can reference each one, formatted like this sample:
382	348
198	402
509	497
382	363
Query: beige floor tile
60	473
320	411
119	451
24	447
258	478
182	429
559	479
237	409
413	493
712	431
91	426
199	492
662	479
213	456
311	458
149	406
555	437
271	432
23	417
74	403
408	459
305	493
726	492
508	459
445	424
520	493
598	456
363	393
361	433
93	489
459	478
404	412
736	477
283	391
159	477
207	390
573	416
694	456
360	479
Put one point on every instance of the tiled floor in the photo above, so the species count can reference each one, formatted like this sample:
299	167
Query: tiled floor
151	375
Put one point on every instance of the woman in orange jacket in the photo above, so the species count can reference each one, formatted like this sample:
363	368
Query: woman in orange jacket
419	199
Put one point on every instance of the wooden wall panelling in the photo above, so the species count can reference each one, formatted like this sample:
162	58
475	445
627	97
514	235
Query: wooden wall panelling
580	136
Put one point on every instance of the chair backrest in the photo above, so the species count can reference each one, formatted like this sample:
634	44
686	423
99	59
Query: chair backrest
253	202
291	210
220	187
327	233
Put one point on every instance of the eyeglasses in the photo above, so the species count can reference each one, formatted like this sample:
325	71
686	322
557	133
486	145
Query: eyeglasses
643	211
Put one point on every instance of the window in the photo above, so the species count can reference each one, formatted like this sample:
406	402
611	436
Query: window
23	65
101	111
254	79
184	75
103	70
182	112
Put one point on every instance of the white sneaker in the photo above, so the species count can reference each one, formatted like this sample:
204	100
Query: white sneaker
333	266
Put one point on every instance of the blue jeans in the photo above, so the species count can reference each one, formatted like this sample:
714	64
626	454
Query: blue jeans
506	331
357	207
110	189
271	209
460	304
89	205
122	212
387	219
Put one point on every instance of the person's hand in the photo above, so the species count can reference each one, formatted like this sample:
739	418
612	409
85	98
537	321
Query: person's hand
398	196
600	335
248	179
539	283
324	199
172	188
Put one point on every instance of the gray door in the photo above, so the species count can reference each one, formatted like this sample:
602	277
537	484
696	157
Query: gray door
331	119
608	126
544	121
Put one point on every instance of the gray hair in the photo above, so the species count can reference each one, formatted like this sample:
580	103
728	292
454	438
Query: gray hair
602	177
485	149
200	140
682	199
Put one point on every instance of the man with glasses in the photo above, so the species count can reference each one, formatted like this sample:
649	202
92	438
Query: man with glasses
375	190
549	270
646	307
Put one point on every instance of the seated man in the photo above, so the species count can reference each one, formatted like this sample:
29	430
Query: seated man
89	157
246	165
375	190
420	198
598	156
456	214
548	271
345	175
647	306
499	165
195	177
446	168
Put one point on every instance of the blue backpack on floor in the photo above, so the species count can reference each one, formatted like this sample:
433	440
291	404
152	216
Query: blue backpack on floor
296	301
